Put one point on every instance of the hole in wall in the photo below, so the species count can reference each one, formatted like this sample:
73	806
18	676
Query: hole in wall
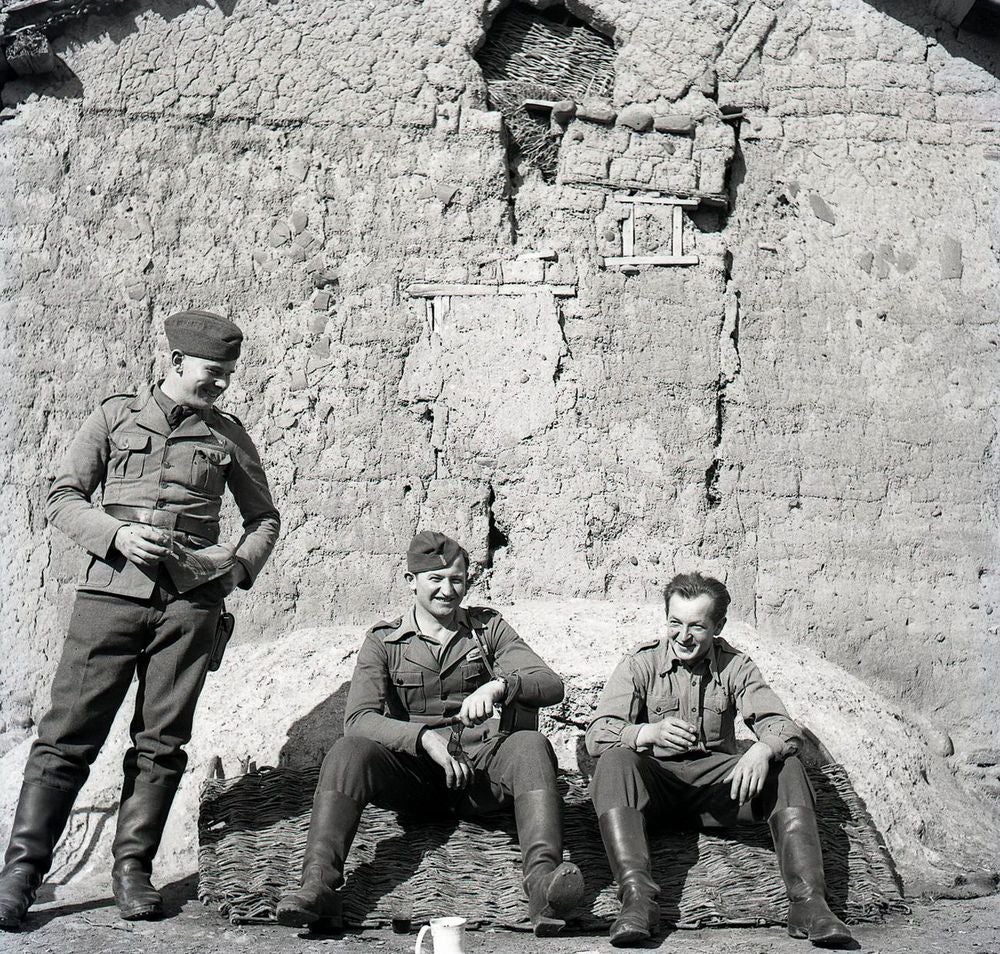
542	55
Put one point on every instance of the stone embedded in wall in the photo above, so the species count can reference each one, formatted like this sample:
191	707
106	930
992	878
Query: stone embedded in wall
820	209
637	117
951	258
597	113
680	124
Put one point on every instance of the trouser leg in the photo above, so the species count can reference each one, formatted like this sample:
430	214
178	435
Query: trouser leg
171	673
522	768
105	635
624	785
355	772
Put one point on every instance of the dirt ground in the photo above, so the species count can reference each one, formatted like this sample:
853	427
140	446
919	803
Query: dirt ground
84	919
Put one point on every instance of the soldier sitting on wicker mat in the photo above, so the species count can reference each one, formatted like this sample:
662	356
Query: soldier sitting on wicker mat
420	734
664	731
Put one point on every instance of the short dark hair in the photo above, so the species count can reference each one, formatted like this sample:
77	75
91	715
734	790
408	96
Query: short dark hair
693	585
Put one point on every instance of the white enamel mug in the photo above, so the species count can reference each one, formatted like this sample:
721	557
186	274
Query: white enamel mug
448	935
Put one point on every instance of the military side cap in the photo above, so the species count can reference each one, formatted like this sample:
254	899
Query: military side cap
430	550
203	334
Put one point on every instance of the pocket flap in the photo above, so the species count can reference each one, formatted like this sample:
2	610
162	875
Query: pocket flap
407	679
218	457
666	705
131	442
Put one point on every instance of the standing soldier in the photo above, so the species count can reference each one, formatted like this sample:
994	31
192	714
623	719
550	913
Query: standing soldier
440	662
149	603
664	731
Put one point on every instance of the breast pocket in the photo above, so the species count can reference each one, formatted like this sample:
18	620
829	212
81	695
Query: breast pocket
717	717
128	453
208	469
660	708
410	689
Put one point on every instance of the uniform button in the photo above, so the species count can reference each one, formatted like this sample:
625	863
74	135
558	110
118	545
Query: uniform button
163	483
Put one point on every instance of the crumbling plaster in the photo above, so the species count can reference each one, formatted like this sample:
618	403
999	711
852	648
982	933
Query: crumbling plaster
808	412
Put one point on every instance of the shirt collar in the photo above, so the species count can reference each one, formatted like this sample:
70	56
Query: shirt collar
409	625
711	659
165	404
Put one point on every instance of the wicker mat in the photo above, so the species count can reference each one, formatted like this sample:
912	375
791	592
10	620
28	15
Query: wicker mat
252	833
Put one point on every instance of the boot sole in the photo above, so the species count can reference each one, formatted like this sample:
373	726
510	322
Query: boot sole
153	913
296	917
565	889
630	937
548	927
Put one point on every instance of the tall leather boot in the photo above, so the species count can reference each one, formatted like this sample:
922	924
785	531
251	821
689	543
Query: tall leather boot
623	831
334	823
800	860
553	886
40	818
142	813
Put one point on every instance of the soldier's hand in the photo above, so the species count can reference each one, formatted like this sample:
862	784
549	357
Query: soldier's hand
478	706
750	773
671	733
457	772
141	545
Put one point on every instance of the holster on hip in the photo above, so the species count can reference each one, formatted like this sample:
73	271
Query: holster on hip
223	633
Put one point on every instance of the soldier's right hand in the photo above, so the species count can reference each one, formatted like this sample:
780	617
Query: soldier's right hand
141	545
672	734
457	772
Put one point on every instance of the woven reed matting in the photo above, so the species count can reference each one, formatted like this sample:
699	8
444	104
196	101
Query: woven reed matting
252	833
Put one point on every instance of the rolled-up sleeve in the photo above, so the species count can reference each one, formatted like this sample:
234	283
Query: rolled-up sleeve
370	695
530	681
764	712
621	705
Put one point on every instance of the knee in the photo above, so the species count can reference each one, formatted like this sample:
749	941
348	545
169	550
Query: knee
347	762
533	758
618	762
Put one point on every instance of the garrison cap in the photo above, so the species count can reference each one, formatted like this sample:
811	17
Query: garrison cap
203	334
430	550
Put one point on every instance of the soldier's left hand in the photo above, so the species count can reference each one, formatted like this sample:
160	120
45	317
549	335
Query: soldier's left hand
478	707
750	773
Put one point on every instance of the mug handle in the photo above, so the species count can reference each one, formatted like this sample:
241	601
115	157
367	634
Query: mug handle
420	938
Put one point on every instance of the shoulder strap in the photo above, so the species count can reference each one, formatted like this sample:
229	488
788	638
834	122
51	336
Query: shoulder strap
480	639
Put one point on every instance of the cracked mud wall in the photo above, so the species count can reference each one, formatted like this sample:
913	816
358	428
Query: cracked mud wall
806	412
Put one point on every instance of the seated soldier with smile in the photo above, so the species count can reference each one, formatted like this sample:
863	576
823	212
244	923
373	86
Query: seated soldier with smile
440	664
664	731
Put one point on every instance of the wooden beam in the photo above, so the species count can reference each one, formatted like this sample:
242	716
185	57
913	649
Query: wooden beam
653	260
677	244
628	233
656	200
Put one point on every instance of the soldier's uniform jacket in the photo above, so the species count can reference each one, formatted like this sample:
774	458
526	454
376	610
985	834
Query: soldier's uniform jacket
650	684
399	685
127	448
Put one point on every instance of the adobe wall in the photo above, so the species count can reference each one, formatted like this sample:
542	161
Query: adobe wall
806	412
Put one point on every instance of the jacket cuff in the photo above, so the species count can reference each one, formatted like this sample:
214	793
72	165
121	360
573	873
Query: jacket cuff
630	736
248	580
513	688
409	737
105	532
778	746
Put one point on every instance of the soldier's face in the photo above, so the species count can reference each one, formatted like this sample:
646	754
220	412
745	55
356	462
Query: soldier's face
200	381
691	626
440	592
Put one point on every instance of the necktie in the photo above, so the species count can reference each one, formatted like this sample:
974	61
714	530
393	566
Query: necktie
177	414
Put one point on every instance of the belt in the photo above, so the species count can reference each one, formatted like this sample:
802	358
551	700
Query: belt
166	519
